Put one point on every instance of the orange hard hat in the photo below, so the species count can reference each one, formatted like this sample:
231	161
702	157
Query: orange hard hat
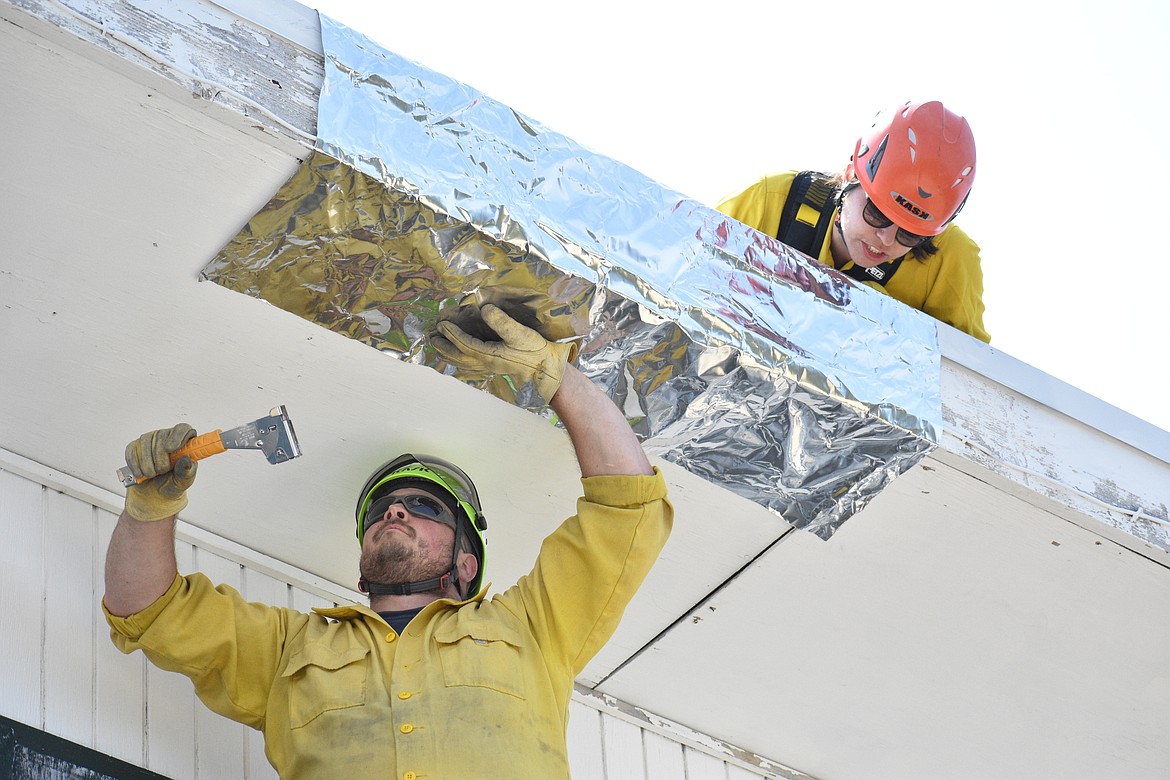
917	165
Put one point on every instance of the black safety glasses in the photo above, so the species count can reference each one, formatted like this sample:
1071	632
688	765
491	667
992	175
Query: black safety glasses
418	505
876	219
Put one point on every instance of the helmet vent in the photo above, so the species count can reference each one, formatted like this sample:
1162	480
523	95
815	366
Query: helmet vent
875	161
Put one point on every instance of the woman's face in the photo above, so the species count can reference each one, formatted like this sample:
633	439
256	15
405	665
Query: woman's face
863	243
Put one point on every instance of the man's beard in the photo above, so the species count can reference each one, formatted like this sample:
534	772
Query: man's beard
393	561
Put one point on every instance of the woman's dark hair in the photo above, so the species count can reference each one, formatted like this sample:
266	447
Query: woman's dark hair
920	252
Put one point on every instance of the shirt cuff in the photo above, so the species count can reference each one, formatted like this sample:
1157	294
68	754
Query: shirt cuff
620	490
133	626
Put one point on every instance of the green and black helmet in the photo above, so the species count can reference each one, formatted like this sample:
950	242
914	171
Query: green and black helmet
449	484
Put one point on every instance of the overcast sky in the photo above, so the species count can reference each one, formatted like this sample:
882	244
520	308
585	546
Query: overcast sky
1068	103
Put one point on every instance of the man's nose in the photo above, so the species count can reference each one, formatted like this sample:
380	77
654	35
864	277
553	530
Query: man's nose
395	511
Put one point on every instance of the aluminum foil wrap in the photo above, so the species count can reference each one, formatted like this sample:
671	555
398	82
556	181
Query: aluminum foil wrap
731	355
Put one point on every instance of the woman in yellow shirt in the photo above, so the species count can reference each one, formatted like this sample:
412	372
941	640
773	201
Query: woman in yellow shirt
886	220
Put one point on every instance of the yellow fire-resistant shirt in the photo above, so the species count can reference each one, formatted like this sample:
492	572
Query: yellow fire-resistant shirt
472	689
948	285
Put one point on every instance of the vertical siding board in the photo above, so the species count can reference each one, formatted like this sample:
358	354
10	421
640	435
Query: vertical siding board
624	758
118	710
257	586
21	597
584	741
170	710
266	590
219	748
70	539
700	766
664	757
739	773
304	601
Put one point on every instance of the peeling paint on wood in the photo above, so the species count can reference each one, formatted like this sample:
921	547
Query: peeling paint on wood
209	51
27	753
1045	451
703	743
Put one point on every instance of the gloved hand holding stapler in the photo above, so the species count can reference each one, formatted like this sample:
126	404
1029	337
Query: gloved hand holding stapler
163	493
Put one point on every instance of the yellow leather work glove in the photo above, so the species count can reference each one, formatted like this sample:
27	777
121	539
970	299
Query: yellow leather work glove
164	493
521	352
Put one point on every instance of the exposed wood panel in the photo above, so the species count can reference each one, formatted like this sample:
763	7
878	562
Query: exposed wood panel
22	596
70	542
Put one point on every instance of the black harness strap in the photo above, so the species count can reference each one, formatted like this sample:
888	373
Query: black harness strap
815	190
879	273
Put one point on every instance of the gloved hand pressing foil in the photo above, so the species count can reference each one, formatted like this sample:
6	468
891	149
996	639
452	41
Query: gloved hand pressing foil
520	352
164	493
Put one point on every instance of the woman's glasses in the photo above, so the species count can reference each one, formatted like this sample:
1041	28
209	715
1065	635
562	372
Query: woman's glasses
418	505
875	218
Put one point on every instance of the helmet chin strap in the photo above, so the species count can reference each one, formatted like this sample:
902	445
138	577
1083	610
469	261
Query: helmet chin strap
406	588
438	584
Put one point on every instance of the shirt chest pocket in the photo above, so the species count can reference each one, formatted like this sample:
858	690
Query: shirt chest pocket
321	679
482	654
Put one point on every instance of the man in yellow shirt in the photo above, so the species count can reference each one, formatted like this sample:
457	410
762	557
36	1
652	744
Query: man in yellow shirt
887	219
431	680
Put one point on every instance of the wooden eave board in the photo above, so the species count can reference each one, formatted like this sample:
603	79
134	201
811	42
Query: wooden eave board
949	630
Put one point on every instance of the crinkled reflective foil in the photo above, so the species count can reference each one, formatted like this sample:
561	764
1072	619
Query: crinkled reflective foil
730	354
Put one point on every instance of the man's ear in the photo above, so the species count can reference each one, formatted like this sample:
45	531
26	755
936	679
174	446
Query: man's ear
468	567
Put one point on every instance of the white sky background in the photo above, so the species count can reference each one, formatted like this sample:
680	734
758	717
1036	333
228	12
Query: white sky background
1069	103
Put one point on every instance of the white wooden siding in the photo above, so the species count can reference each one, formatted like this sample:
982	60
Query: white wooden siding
61	673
